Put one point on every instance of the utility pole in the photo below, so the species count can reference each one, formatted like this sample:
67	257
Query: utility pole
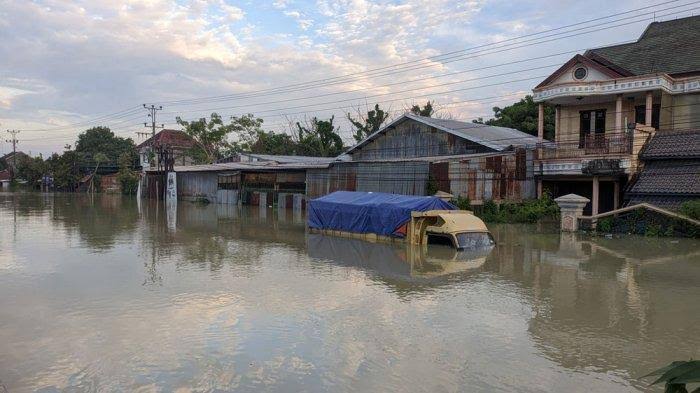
152	109
14	149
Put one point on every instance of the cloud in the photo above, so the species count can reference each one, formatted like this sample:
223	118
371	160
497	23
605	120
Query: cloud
65	62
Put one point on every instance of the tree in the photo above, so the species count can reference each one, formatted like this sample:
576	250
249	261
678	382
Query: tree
274	143
522	116
367	125
102	140
319	138
65	169
31	169
247	128
427	110
126	176
211	137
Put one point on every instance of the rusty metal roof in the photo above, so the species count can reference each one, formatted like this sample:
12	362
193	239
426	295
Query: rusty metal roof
496	138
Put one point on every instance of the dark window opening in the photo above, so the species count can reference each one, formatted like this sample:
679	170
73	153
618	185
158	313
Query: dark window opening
443	240
640	114
228	182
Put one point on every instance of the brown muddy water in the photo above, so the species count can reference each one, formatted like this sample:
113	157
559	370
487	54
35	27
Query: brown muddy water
104	294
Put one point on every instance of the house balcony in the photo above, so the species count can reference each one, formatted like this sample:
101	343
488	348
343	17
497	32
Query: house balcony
610	154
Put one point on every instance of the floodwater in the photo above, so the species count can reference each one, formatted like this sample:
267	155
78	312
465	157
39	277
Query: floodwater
104	294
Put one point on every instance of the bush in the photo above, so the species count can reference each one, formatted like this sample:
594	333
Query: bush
691	209
605	225
529	211
462	203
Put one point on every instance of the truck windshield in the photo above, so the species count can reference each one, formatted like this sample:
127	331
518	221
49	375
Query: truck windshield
474	239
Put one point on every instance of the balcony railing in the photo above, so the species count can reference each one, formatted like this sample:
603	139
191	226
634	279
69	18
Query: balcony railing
590	145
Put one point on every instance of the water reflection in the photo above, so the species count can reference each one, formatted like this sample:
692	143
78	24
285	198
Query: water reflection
103	294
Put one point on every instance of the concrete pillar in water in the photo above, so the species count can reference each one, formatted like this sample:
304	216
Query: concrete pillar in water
263	200
571	208
595	196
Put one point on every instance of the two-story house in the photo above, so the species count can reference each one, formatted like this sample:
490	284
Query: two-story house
178	143
609	102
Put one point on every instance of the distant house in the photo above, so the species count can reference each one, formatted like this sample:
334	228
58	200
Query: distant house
417	155
412	155
178	142
10	160
609	102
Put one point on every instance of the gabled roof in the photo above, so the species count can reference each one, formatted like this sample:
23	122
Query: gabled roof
497	138
678	177
169	138
669	47
611	71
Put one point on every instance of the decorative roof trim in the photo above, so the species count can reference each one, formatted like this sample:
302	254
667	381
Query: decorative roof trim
573	61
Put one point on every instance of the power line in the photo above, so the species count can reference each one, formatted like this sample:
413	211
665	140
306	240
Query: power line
450	55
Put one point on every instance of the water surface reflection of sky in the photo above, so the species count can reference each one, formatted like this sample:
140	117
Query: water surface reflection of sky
107	294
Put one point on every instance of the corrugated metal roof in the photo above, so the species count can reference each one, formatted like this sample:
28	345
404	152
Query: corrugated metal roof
289	159
243	166
497	138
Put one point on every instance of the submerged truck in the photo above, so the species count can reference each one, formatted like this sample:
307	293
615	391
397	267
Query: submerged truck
376	216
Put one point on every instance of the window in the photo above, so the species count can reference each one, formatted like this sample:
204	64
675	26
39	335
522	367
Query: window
580	73
473	240
443	240
591	121
640	115
228	182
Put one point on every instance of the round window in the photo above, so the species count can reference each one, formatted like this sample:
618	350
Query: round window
580	73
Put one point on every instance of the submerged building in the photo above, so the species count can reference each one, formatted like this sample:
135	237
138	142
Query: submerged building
612	101
412	155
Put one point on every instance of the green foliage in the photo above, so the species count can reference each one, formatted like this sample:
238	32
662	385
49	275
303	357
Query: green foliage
691	209
462	203
529	211
31	169
319	138
427	110
605	225
648	223
65	169
127	178
367	125
522	116
211	136
102	141
431	187
676	375
269	142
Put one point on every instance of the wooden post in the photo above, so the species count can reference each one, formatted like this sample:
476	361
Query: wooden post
648	107
616	194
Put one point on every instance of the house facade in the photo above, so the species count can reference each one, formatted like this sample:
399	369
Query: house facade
609	102
176	142
412	155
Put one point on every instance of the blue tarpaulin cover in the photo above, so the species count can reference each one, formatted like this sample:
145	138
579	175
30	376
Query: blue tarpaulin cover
368	212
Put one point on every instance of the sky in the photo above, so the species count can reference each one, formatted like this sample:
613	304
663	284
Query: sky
70	65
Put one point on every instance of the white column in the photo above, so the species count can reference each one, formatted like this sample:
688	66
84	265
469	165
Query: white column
557	121
648	107
540	121
594	197
618	113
